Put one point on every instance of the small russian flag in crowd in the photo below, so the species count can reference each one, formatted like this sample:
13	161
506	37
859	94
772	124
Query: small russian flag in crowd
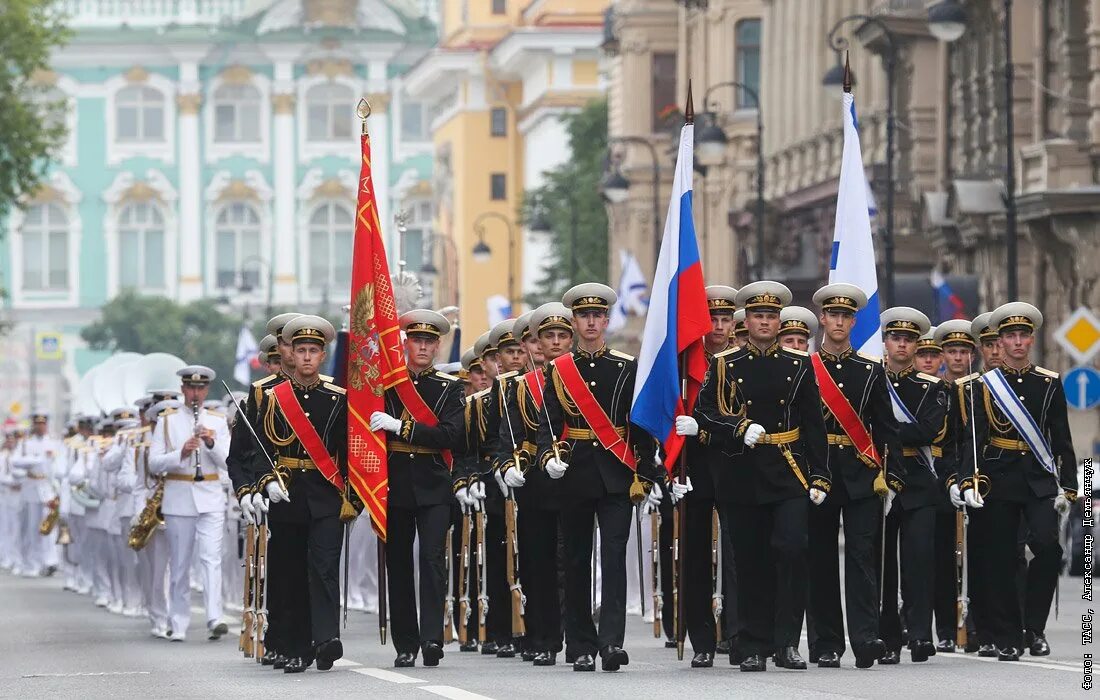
678	316
949	305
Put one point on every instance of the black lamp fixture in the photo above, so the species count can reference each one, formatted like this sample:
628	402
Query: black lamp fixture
482	252
834	78
615	187
947	20
710	143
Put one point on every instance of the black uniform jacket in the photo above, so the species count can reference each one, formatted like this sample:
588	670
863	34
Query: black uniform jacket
242	446
1013	471
926	397
594	471
539	491
419	475
776	389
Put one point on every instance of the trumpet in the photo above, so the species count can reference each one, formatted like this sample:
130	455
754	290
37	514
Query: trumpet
197	433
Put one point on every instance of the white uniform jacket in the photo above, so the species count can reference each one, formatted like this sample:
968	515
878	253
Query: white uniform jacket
182	494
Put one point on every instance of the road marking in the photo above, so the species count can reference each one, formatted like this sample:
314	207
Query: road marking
1052	665
453	693
384	675
74	675
345	663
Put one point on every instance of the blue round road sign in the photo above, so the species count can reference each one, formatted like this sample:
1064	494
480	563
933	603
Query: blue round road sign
1082	385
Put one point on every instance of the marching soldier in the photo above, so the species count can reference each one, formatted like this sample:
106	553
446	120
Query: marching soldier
740	332
269	353
929	357
919	402
862	433
304	422
474	381
424	419
797	326
1027	474
153	558
189	449
35	461
988	340
761	403
587	424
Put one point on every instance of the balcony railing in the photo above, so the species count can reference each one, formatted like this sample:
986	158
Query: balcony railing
149	13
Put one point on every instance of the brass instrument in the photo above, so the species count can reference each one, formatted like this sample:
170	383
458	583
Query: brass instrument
196	433
149	520
52	517
64	534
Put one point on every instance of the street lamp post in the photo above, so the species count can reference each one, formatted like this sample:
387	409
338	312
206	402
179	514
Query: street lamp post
244	287
482	252
947	21
429	271
712	142
538	223
615	184
833	79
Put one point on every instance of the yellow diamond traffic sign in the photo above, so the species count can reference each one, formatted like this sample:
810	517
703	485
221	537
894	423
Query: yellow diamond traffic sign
1079	334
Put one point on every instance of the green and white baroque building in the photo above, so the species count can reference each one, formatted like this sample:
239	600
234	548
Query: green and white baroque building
213	151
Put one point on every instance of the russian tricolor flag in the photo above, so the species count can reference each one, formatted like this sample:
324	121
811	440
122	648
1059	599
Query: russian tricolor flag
678	317
948	304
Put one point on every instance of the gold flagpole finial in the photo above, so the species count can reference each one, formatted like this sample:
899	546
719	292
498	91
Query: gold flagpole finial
363	111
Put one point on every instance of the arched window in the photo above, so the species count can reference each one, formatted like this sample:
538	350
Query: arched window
329	111
330	244
236	114
236	239
141	246
139	114
45	249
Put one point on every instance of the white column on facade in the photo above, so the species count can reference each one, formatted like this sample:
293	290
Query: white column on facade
284	256
379	126
189	99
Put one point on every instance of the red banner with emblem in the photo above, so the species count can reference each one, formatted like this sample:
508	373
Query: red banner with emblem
376	357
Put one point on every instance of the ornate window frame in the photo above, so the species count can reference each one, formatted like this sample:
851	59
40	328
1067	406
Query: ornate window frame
315	189
128	189
223	190
312	150
59	189
164	151
260	150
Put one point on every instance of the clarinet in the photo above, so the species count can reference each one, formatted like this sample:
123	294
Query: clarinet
198	427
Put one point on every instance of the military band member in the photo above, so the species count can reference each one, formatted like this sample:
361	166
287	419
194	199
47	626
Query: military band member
425	426
1026	453
35	462
586	440
304	424
919	403
929	358
153	558
797	327
862	432
707	466
189	449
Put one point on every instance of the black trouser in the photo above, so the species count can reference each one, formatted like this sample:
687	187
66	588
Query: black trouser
309	561
429	523
977	543
917	530
498	622
946	596
538	537
614	512
729	580
770	544
699	586
665	531
862	522
287	596
1000	583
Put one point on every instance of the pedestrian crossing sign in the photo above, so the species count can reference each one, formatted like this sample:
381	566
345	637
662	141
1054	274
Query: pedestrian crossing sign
47	346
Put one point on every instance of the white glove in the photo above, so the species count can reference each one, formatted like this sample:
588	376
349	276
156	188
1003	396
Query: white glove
686	425
955	496
500	482
259	505
476	496
973	498
555	468
817	496
890	495
384	421
1061	503
248	511
655	496
680	490
753	434
514	478
276	493
463	497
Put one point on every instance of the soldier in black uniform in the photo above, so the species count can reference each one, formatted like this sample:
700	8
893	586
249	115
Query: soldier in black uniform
1032	477
760	403
421	488
919	402
858	488
540	497
707	465
597	484
474	380
797	326
740	332
309	513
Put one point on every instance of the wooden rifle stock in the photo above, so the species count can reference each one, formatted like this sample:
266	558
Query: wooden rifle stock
259	591
519	629
482	569
962	601
248	617
655	554
464	580
448	602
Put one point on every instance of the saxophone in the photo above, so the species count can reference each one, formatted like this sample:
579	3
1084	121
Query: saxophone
50	521
149	520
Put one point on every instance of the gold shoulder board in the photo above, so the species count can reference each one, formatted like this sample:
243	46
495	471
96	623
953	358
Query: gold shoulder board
620	355
928	377
968	378
217	414
325	377
728	351
168	411
333	387
447	376
802	353
265	380
506	375
872	358
1046	372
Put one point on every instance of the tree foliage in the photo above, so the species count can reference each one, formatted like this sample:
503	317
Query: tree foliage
570	197
30	127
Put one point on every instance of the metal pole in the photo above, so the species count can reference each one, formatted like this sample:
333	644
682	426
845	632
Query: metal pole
760	248
574	224
656	205
888	235
34	374
479	229
1010	169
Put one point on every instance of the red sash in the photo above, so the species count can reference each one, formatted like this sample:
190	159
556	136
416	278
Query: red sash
592	412
418	409
307	434
838	404
534	380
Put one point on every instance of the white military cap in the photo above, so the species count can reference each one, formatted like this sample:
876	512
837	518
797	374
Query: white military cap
309	328
125	423
196	375
143	403
980	327
159	407
739	322
763	296
520	329
590	296
449	367
501	334
213	405
470	360
552	315
954	332
269	344
425	322
276	324
797	319
40	417
840	296
721	298
928	342
123	414
1015	315
482	345
904	319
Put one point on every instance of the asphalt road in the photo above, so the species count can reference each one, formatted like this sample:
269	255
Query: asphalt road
58	645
